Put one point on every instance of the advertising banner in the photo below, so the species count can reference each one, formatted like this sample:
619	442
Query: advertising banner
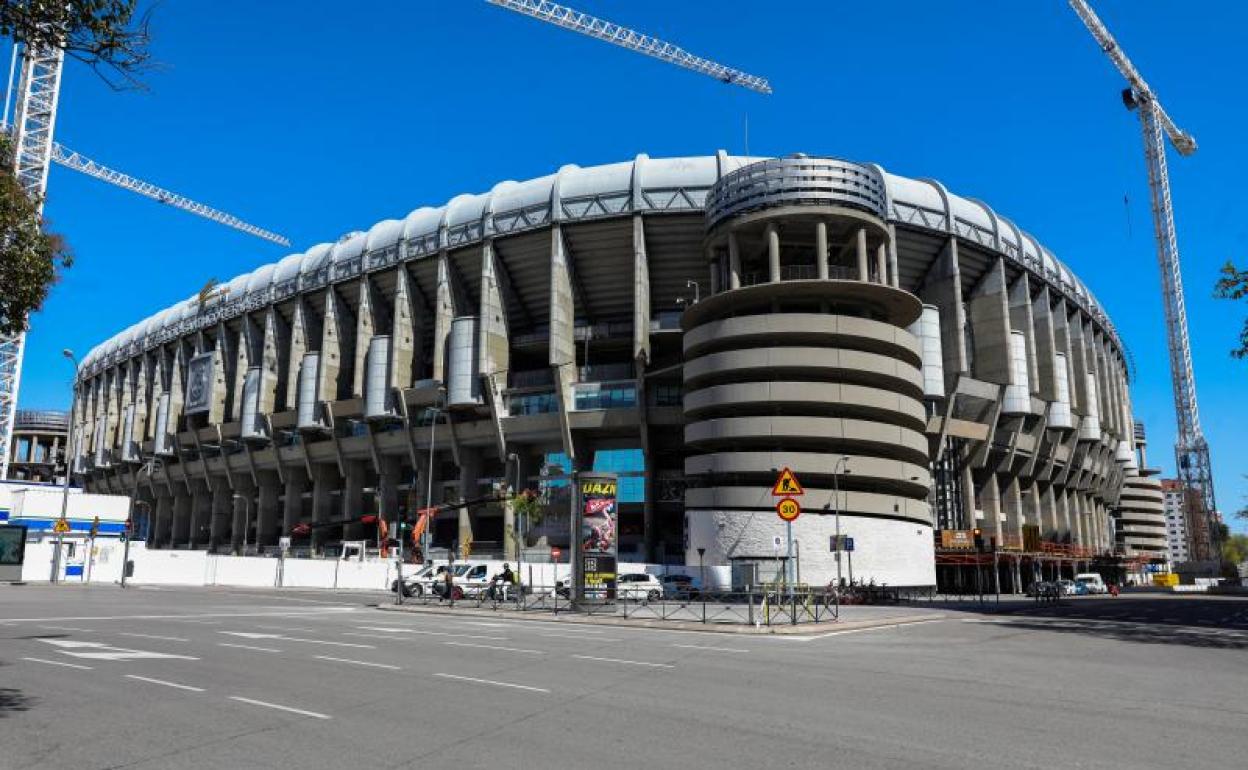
596	533
199	384
12	552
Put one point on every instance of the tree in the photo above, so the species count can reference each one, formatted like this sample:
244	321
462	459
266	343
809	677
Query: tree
1235	549
30	256
1234	285
105	35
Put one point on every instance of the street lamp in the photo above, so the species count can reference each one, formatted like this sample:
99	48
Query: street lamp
246	519
69	469
840	466
433	412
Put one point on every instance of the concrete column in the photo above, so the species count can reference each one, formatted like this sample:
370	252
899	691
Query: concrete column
990	500
894	277
162	517
991	320
469	472
942	287
267	507
353	500
734	262
222	513
821	249
201	514
325	480
773	253
292	506
388	494
881	264
1015	516
1050	519
968	498
861	249
715	267
181	529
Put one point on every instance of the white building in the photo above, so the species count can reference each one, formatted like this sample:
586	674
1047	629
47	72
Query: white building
1176	522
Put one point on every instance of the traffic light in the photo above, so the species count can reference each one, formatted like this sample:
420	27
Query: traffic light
979	539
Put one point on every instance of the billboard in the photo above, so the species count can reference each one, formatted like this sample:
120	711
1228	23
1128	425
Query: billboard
12	551
596	532
199	384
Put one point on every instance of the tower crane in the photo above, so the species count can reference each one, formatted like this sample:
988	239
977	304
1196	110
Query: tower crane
1191	449
31	132
568	18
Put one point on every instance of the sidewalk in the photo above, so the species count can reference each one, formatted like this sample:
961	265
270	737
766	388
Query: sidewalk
852	618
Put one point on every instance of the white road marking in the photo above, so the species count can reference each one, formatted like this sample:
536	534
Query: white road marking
582	637
195	618
491	681
247	647
861	630
358	662
430	633
706	647
58	663
620	660
287	628
493	647
166	684
154	636
487	625
101	651
69	628
280	637
280	707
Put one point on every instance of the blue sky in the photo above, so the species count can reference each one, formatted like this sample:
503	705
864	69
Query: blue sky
315	118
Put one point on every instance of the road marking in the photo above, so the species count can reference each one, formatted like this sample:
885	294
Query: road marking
58	663
101	651
247	647
491	681
583	638
621	660
493	647
279	637
196	618
280	707
166	684
287	628
429	633
154	636
488	625
712	649
69	628
358	662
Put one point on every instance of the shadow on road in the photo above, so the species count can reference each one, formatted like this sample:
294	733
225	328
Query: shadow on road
1134	632
13	699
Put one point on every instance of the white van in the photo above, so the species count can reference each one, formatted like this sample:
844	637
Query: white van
1092	582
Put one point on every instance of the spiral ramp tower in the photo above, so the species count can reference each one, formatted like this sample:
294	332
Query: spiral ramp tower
801	358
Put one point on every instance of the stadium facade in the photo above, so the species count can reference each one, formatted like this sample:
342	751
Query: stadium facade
696	324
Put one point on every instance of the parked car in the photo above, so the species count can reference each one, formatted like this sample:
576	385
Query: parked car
1092	582
1065	587
1043	588
681	586
418	582
639	586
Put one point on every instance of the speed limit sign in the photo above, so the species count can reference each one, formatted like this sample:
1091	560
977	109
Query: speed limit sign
788	509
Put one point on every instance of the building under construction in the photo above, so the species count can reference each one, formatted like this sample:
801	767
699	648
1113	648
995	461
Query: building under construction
925	367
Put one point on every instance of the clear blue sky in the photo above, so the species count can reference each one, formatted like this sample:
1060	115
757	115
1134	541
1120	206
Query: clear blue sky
315	118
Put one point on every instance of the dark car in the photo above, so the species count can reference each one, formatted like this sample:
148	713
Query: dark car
681	586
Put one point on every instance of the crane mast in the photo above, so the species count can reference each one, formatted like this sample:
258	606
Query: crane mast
1191	450
610	32
34	121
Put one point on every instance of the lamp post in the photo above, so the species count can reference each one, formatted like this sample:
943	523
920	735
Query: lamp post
246	519
433	411
840	466
69	469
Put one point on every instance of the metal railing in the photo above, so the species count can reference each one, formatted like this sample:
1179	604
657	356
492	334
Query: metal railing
796	181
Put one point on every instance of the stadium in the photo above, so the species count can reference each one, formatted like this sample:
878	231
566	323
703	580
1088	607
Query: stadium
924	366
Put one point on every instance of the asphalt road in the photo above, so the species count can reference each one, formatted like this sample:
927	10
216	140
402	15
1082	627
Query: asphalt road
97	677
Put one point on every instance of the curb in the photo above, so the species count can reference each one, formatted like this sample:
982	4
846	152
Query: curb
670	625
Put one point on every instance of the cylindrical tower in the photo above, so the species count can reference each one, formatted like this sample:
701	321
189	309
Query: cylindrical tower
802	360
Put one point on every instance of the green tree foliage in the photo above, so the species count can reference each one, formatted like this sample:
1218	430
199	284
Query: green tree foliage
1235	549
1234	285
30	256
106	35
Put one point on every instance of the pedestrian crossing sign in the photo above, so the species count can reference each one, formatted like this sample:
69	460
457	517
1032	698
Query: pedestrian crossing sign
787	484
61	526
